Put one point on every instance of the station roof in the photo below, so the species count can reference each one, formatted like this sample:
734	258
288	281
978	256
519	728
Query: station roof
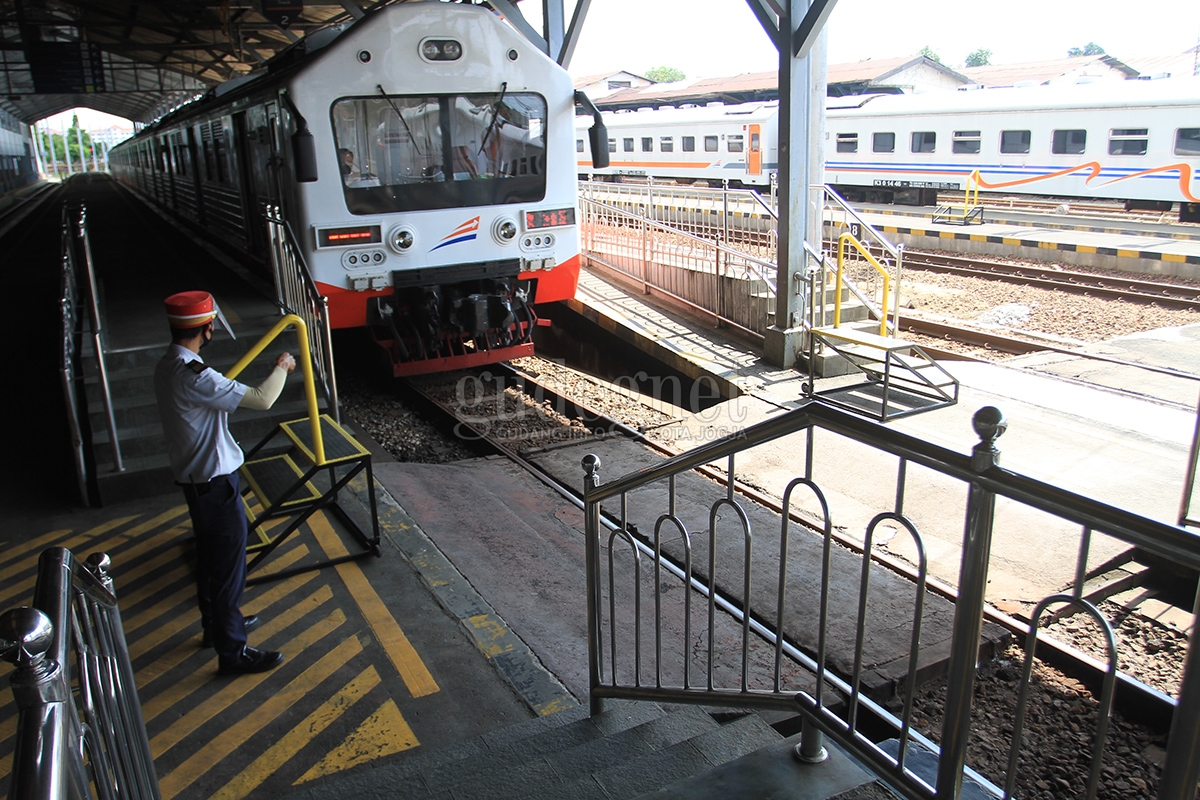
1034	72
138	59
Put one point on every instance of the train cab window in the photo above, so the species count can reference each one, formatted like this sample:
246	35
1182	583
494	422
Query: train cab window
627	144
883	142
1014	141
1187	142
1127	142
710	144
647	144
579	145
735	143
924	141
415	152
688	143
847	142
1068	142
666	144
965	142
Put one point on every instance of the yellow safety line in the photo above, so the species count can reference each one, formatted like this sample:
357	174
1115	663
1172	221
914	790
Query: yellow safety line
29	562
184	650
387	631
239	688
384	733
239	733
299	737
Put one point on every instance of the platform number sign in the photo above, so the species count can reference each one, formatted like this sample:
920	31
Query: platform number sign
856	230
282	12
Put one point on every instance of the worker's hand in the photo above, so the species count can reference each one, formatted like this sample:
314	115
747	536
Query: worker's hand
286	361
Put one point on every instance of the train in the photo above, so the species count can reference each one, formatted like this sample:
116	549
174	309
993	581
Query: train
421	160
18	167
1135	141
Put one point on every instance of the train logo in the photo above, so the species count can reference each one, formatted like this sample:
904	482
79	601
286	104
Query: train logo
463	233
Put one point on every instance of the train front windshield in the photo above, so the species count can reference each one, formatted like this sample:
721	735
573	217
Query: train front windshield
407	153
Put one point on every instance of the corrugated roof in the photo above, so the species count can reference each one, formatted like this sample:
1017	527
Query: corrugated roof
1042	71
1177	66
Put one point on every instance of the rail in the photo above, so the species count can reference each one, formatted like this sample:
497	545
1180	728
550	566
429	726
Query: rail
68	370
636	649
840	216
297	294
734	287
79	730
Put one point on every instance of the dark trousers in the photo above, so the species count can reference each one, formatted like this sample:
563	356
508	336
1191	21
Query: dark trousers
219	522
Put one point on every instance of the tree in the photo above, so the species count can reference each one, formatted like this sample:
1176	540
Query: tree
927	51
665	74
980	58
1089	49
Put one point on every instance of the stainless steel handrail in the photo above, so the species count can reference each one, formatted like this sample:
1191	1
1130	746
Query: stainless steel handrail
80	729
68	370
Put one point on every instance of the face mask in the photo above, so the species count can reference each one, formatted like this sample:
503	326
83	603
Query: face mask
206	335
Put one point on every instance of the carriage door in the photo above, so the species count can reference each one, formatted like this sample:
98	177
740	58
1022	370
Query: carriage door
754	161
253	142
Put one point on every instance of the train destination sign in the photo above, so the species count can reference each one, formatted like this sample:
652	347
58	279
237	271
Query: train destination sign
555	218
349	235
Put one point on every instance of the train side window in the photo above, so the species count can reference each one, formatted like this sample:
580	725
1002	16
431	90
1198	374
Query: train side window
1069	142
612	145
667	144
1127	142
735	143
647	144
689	143
883	142
1014	141
627	144
710	144
847	142
924	141
579	145
1187	142
965	142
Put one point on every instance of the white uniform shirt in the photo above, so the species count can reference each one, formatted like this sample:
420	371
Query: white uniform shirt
194	404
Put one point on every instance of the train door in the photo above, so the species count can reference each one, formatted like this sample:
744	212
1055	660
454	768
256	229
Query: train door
754	160
252	142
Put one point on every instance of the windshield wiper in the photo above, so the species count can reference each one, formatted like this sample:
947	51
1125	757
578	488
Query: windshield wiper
403	121
495	116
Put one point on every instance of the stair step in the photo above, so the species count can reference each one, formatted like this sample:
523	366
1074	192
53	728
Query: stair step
338	444
273	478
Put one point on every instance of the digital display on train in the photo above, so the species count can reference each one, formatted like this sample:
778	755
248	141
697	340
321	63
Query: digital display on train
343	237
553	218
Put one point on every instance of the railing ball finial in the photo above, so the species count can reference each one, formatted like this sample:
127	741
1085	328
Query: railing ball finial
25	636
591	470
989	423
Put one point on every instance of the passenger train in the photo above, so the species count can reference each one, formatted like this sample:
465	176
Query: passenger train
17	165
1137	141
421	157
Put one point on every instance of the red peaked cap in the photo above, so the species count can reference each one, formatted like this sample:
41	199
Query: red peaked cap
190	309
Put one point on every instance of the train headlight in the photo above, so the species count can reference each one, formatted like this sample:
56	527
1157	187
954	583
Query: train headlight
402	240
441	50
504	230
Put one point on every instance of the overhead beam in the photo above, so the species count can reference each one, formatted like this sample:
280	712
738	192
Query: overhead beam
811	26
515	18
572	38
767	12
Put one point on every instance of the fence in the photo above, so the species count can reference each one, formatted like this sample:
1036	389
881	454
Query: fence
79	732
655	594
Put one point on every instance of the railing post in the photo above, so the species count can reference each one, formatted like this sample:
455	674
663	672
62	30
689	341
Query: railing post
989	423
591	481
1181	770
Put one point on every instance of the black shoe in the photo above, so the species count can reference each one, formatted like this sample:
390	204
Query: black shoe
251	622
250	661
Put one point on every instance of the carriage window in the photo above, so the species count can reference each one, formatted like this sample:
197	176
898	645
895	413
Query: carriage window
884	143
847	142
667	144
965	142
735	143
579	145
1127	142
1071	142
410	152
612	145
1187	142
689	144
1014	141
647	144
923	141
627	145
710	144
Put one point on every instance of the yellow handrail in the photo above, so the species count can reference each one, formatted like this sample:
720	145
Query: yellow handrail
310	386
970	202
837	298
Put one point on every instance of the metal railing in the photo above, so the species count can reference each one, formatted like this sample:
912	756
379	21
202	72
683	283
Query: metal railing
648	640
1186	516
298	294
80	731
706	274
840	218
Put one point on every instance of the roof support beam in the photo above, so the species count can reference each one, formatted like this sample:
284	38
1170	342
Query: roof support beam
572	38
515	18
767	12
811	26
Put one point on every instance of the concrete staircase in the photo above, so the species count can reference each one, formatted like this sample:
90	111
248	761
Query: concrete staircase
631	750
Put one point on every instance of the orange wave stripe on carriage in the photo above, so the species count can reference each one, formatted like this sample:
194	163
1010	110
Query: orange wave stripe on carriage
1094	168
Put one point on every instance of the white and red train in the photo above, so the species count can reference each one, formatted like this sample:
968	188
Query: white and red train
422	159
1137	141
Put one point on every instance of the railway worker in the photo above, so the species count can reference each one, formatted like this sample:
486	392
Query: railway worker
346	159
194	402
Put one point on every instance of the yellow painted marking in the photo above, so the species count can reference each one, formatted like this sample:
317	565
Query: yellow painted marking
387	631
978	237
1128	254
162	519
1011	242
384	733
560	703
28	563
1048	245
1084	248
16	552
490	633
298	737
946	234
236	690
1174	257
241	732
168	661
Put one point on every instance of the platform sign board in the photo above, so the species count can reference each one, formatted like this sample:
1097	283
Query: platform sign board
282	12
66	67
